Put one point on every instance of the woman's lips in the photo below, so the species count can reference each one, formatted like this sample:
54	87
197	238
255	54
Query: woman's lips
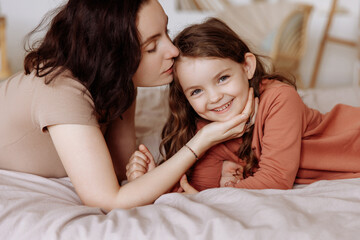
169	70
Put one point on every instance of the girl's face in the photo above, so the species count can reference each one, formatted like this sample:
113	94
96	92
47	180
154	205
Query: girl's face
158	52
216	88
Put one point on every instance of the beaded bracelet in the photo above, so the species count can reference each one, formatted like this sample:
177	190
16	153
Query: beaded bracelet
196	156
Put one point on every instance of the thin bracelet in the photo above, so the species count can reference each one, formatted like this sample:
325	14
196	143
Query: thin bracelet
196	156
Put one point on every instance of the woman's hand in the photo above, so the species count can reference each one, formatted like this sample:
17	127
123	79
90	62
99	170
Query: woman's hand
140	163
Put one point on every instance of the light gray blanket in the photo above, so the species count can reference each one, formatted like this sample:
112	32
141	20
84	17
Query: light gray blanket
33	207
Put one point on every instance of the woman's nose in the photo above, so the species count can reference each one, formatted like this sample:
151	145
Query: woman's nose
172	51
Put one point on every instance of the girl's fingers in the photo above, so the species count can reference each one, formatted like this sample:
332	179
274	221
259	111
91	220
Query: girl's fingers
134	171
137	166
146	152
140	163
184	184
139	158
134	175
150	159
134	166
230	184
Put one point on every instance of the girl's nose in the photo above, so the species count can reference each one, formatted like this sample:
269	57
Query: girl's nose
215	96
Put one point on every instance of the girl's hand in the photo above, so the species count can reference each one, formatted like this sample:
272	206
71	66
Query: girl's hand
185	187
140	163
231	173
222	131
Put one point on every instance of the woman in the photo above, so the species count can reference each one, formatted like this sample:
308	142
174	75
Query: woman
71	113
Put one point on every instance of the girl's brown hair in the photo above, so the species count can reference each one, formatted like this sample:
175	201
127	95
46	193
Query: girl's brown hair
98	41
213	38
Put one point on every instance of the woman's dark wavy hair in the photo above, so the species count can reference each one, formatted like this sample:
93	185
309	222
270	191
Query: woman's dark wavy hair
213	38
98	41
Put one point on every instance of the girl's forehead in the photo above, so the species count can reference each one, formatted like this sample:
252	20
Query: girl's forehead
201	62
182	59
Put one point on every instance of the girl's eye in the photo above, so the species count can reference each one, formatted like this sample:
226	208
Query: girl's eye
223	78
195	92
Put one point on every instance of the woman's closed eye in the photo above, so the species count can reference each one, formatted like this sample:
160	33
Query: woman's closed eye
151	47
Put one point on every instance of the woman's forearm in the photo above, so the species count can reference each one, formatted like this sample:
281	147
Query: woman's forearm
147	188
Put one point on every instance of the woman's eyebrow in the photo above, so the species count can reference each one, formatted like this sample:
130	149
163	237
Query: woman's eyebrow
150	39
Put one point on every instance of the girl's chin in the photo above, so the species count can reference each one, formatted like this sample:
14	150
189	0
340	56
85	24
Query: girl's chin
219	119
225	117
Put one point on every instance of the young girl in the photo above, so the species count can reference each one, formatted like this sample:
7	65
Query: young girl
289	142
71	112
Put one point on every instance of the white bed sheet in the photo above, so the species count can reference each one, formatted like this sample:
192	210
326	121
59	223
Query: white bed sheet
33	207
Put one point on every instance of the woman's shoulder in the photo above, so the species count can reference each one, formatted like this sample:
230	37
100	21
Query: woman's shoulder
62	86
62	100
60	79
58	85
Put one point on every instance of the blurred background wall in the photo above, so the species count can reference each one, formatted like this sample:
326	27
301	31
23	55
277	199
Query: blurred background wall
338	67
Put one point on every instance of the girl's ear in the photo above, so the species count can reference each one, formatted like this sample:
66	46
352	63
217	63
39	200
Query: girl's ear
250	64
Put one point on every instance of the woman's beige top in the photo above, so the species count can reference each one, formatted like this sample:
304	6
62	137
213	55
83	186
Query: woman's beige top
294	144
27	107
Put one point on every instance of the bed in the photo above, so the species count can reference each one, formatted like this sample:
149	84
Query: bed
33	207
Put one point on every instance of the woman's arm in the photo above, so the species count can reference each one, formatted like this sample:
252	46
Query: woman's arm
87	161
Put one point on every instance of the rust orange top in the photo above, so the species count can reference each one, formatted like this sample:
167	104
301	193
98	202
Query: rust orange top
294	144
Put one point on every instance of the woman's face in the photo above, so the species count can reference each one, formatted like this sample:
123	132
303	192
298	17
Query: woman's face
216	88
158	52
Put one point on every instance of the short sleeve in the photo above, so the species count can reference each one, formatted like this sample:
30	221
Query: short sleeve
62	101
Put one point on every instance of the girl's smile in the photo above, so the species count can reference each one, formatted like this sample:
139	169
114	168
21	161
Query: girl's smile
223	108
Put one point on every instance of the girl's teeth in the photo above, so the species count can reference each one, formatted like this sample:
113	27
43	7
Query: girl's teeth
224	107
